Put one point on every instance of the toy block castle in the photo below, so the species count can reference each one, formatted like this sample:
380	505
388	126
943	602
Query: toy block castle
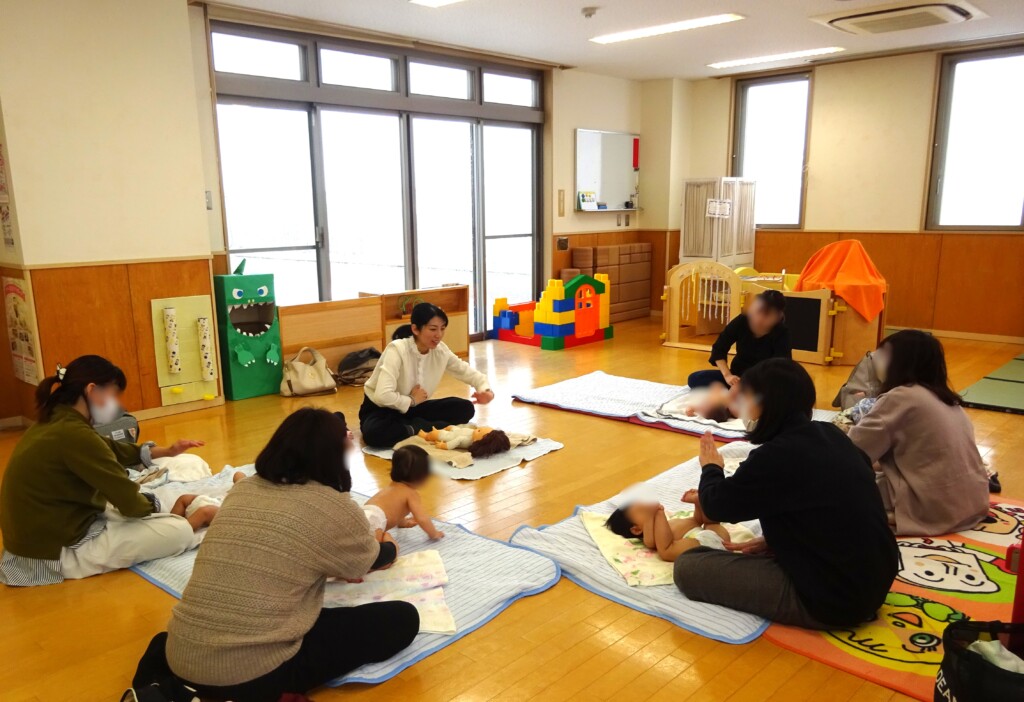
567	314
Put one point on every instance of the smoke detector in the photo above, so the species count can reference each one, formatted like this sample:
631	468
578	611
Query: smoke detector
896	17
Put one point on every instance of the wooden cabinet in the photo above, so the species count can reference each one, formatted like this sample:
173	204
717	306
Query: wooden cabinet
454	300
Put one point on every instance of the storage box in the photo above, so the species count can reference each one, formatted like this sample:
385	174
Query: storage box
583	257
634	272
606	256
570	273
639	290
614	273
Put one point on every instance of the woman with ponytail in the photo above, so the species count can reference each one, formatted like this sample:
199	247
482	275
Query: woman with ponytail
54	513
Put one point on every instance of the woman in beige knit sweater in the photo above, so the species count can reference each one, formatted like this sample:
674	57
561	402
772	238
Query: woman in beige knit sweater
250	626
931	475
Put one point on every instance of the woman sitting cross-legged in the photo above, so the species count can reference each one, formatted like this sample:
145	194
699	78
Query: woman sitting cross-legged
931	476
828	556
68	509
251	625
398	402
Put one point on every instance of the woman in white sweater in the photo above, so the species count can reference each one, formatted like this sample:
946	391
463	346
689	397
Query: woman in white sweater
398	400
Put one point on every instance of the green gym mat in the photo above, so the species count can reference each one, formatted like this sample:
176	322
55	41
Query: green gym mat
1001	390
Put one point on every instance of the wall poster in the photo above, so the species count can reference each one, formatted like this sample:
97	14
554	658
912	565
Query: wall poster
21	335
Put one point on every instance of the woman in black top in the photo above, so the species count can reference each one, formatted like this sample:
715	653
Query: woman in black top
760	333
828	556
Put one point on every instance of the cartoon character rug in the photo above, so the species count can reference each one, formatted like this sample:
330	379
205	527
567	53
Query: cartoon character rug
941	580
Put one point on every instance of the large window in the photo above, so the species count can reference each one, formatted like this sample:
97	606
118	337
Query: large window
352	168
977	178
769	145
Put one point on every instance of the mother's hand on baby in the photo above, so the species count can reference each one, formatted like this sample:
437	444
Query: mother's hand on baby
483	398
709	454
176	449
690	496
750	548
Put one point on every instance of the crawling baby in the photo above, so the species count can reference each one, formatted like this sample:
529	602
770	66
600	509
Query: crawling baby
669	537
399	504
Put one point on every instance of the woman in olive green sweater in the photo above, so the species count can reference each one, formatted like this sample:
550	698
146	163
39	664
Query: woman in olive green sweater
53	502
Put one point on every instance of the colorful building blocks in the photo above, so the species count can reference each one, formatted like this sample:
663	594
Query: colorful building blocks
568	314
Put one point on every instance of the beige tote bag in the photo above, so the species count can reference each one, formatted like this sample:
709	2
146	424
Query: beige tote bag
301	378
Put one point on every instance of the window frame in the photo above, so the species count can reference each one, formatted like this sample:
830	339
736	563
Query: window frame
739	122
940	139
314	96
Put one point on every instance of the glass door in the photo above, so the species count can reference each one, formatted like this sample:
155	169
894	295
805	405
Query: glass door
363	181
444	209
509	215
267	174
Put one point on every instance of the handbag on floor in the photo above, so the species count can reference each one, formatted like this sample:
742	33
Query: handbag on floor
967	676
863	382
301	378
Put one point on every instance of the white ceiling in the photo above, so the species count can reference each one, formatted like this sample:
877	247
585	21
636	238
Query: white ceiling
555	30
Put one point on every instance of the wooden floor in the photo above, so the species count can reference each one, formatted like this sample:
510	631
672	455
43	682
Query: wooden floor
80	640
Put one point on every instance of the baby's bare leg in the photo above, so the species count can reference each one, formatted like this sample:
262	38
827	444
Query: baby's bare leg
202	517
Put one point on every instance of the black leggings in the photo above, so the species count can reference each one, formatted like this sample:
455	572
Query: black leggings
383	427
340	641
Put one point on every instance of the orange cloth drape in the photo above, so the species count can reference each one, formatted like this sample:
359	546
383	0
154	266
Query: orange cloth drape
845	268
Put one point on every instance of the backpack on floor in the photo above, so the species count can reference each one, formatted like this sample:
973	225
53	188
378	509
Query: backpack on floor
125	428
863	382
357	367
966	676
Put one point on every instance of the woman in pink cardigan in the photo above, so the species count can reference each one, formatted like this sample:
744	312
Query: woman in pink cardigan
930	473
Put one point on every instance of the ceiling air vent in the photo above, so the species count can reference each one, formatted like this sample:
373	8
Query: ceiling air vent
897	17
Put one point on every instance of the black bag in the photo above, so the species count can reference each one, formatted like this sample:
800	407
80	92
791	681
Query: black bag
966	676
357	367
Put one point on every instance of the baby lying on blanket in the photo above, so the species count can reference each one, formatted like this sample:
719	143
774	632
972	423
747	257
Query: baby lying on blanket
481	442
200	510
391	507
669	537
714	403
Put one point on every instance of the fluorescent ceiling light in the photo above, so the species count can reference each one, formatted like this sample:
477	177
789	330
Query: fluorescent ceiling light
660	29
777	57
434	3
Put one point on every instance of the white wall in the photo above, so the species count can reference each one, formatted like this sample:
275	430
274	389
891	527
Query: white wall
581	100
869	143
869	140
205	104
101	119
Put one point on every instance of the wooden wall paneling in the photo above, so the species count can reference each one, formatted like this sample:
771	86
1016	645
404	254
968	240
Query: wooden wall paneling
88	310
659	263
150	281
777	249
220	264
981	284
910	264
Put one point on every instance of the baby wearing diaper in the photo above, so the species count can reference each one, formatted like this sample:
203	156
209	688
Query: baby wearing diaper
399	504
669	537
714	403
200	510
